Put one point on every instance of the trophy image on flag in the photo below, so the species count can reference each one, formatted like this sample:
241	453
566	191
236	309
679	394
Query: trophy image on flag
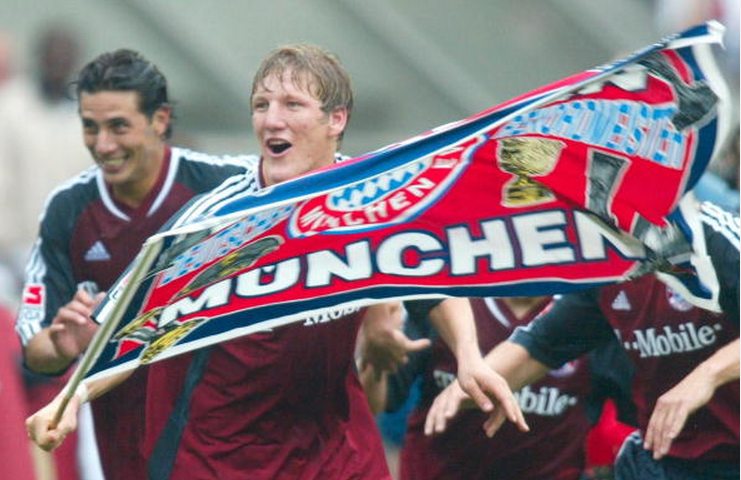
525	158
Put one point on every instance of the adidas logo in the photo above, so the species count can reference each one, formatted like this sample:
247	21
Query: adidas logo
97	253
621	302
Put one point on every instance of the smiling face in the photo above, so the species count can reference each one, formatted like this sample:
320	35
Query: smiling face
126	144
296	136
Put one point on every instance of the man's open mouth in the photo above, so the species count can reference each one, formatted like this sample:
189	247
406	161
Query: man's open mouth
278	146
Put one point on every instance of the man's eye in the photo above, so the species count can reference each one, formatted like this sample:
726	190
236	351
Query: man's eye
119	127
293	104
259	106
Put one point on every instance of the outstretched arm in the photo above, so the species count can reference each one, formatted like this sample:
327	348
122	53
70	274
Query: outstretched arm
695	390
40	426
515	367
453	319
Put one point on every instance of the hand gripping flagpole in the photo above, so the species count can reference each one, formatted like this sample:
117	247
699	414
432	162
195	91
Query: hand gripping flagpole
121	295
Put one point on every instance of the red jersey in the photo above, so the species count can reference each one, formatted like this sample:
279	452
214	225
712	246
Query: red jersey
665	337
284	404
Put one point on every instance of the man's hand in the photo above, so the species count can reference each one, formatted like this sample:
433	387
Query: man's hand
445	407
487	385
72	328
671	412
384	345
453	319
487	388
39	428
694	391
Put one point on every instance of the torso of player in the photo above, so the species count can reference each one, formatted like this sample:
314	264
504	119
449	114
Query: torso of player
108	234
666	338
281	404
105	237
553	407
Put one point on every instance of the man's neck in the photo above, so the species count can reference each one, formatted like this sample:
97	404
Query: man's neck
522	306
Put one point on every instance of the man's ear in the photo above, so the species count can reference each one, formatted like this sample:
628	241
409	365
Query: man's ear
338	121
161	120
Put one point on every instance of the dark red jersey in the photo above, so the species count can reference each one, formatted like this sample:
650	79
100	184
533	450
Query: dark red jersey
87	236
555	409
284	404
665	338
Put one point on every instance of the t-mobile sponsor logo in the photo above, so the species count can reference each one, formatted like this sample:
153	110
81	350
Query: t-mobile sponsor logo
686	337
548	401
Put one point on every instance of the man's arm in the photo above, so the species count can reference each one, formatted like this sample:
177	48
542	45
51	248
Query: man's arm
39	425
453	319
516	367
721	230
49	285
694	391
570	328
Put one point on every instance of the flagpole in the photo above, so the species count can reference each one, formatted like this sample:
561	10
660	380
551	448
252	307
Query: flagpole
147	254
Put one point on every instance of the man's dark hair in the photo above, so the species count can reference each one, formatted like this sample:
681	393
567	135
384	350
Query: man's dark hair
127	70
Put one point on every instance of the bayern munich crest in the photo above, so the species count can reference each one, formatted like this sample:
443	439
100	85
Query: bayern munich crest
386	199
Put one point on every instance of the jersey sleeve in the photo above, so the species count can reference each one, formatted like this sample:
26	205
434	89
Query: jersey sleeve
721	231
572	326
49	280
611	375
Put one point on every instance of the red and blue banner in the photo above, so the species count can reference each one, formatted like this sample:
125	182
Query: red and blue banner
547	193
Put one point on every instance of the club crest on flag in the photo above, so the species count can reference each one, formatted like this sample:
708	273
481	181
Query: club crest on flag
389	198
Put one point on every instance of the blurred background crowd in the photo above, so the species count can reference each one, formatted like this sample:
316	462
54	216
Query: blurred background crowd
416	64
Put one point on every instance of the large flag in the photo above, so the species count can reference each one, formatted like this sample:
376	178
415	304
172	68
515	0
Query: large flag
559	189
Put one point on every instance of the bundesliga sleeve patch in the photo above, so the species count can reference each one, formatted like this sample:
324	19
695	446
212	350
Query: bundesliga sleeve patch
33	295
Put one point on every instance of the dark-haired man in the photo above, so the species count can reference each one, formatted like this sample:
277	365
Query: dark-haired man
94	224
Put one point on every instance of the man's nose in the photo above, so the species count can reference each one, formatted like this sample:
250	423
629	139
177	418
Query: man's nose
105	143
275	117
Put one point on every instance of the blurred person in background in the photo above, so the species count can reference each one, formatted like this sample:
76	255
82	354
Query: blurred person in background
15	457
39	147
719	184
39	135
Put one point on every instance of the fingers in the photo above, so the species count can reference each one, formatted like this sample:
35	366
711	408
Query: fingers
479	397
665	424
495	420
39	431
79	309
444	408
436	420
73	312
417	345
492	387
